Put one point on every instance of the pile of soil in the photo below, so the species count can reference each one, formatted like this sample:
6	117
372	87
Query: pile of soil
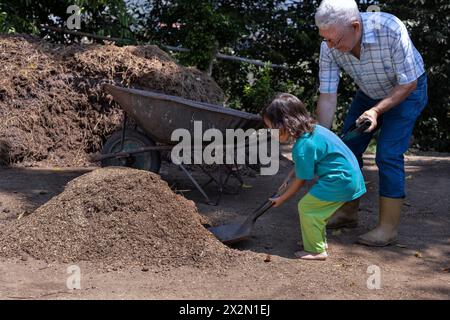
118	217
52	107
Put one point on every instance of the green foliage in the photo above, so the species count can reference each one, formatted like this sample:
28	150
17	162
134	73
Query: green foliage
203	32
106	18
10	22
282	36
5	25
259	91
102	17
429	27
203	26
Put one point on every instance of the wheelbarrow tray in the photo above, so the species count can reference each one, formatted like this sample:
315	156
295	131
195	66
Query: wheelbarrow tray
158	115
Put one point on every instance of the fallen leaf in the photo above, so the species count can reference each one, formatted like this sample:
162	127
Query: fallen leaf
268	258
418	254
23	214
446	270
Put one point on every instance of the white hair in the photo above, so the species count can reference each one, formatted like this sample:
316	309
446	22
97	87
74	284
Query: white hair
336	12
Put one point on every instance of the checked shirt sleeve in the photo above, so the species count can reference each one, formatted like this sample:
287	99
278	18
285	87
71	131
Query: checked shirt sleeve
402	50
329	71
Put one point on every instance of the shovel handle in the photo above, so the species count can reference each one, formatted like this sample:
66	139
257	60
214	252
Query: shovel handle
364	125
268	204
265	206
284	185
262	209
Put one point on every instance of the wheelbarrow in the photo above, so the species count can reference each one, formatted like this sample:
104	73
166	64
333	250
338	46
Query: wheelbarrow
156	116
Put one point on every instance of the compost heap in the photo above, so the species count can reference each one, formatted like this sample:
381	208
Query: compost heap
117	216
52	107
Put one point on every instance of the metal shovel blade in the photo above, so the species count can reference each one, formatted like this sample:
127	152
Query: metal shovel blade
235	232
231	233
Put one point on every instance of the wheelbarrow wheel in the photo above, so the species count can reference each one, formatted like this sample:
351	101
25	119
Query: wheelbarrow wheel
150	160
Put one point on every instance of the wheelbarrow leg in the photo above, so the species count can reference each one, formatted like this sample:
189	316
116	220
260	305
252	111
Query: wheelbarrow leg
237	174
199	188
124	126
211	177
225	183
221	183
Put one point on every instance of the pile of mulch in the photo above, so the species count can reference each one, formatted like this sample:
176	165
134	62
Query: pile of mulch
117	217
52	107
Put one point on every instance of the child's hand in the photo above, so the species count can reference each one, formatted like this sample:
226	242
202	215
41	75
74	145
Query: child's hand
278	201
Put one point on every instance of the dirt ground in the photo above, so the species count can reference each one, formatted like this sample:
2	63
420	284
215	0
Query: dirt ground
416	268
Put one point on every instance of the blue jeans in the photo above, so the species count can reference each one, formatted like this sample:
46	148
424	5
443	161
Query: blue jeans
396	126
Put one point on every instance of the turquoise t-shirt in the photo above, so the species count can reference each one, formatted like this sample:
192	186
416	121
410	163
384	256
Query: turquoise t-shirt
321	153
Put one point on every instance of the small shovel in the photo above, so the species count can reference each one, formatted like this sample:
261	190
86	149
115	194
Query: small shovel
235	232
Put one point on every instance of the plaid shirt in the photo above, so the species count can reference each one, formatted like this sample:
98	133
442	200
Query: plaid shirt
388	58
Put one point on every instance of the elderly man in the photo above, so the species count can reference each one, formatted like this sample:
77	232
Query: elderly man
375	50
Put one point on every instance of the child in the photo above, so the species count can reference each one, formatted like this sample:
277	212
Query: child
316	152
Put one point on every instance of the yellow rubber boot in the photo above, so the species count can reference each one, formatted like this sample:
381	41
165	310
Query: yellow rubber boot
386	231
346	216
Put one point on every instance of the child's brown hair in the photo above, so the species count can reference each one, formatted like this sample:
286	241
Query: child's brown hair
288	112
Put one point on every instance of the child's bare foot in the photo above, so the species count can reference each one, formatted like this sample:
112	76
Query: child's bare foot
311	256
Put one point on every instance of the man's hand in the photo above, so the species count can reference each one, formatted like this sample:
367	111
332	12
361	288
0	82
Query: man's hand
371	115
399	93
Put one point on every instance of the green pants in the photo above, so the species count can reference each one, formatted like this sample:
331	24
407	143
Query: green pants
314	214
